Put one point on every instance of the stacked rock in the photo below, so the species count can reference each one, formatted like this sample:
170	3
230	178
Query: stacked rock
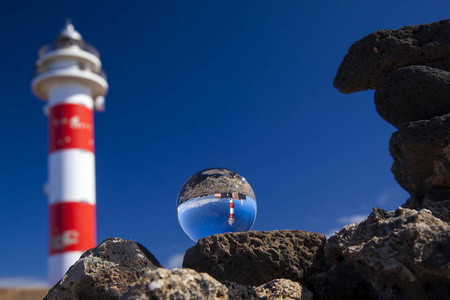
409	69
403	254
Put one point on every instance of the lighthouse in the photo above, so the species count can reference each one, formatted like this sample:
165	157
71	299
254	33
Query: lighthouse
232	196
231	219
69	78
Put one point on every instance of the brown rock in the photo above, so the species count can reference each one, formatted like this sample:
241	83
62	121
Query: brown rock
188	284
283	289
413	93
278	289
421	155
239	291
391	255
437	200
105	272
176	284
372	58
257	257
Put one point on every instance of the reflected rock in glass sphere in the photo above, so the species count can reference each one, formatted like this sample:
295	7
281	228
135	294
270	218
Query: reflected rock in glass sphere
214	201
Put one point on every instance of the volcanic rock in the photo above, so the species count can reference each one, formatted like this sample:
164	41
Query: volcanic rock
413	93
257	257
278	289
239	291
421	155
391	255
188	284
437	200
176	284
372	58
105	272
283	289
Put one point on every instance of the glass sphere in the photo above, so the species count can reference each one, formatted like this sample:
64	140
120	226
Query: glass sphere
214	201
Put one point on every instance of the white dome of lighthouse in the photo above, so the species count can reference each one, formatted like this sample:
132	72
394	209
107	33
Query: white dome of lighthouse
70	32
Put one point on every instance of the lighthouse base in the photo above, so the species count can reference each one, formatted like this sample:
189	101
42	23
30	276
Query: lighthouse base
58	264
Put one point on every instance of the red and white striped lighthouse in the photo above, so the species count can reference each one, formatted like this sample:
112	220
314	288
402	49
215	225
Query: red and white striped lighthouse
69	77
231	219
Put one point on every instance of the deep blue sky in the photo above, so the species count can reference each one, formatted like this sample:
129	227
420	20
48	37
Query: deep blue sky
245	85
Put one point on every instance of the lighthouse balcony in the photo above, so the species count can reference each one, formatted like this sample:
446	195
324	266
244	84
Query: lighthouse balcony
44	68
44	81
67	44
57	56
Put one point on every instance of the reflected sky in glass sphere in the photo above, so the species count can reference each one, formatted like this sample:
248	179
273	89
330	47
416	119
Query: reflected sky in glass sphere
215	200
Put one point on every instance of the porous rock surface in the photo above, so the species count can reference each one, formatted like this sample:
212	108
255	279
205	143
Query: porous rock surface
437	200
257	257
413	93
283	289
188	284
421	153
119	269
176	284
391	255
372	58
409	68
277	289
105	272
404	254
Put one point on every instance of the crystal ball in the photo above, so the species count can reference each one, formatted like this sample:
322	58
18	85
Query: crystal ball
215	200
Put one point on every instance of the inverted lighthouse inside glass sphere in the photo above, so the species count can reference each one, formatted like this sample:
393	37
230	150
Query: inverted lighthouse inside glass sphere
215	201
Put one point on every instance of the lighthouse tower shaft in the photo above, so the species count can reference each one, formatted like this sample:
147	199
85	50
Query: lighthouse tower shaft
69	78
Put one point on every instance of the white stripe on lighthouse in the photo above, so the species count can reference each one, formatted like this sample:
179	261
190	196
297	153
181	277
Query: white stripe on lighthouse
71	176
70	94
58	263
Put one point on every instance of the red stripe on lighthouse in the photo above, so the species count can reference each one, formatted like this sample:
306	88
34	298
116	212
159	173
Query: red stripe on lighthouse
71	126
71	227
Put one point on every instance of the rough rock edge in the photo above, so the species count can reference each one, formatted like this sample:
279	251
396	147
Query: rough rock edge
104	271
388	255
188	284
413	93
372	58
421	152
257	257
176	284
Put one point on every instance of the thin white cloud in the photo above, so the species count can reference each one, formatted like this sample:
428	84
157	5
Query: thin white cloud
383	199
23	282
352	219
345	220
331	232
175	261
